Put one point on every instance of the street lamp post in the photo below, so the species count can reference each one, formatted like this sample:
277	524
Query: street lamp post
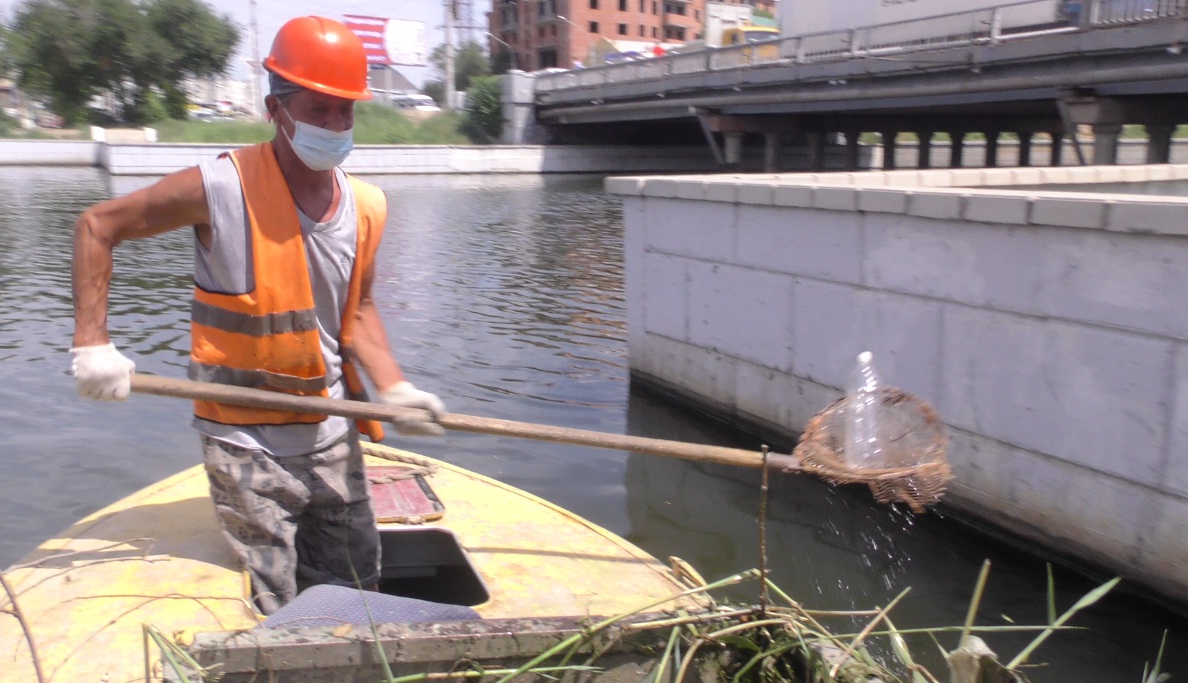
511	51
568	39
450	7
257	91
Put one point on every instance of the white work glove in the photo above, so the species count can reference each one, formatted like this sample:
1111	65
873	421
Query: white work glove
101	372
405	395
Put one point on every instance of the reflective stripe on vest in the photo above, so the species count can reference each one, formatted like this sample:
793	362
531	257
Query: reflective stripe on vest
253	325
268	338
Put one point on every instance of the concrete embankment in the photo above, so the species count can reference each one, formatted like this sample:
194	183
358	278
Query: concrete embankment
49	152
127	153
1046	327
161	158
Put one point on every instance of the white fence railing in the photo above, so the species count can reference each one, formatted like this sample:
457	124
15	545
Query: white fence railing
977	27
1109	12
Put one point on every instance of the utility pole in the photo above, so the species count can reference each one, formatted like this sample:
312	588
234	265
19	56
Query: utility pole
254	84
450	8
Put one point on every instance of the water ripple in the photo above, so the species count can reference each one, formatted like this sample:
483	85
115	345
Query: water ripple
504	294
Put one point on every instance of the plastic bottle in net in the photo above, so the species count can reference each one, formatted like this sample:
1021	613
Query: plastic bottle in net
863	413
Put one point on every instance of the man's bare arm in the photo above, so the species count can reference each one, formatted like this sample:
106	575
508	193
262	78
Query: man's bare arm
175	201
371	341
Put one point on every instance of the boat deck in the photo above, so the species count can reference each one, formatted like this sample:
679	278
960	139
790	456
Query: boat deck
157	557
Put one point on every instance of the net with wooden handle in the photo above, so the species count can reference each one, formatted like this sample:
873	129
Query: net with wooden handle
819	460
915	467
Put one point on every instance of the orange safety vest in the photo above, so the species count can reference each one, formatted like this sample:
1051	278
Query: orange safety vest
268	338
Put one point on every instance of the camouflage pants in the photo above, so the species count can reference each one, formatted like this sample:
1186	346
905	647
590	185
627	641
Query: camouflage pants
303	519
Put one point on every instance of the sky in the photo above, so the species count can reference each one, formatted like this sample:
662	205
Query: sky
271	14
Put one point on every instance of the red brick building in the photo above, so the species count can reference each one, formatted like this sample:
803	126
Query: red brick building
561	33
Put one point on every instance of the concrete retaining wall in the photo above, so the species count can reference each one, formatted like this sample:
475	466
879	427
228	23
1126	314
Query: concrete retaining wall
1049	329
128	157
160	158
49	153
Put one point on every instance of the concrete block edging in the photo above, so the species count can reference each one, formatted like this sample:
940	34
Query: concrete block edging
1043	324
948	194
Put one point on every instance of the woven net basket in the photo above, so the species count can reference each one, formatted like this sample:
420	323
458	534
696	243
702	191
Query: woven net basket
912	437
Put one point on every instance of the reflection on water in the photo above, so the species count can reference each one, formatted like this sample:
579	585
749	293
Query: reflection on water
504	294
833	549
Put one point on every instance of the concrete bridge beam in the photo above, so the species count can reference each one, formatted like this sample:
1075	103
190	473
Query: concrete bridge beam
732	149
956	148
925	157
1159	137
991	149
816	150
1057	151
889	149
851	155
1025	148
518	100
771	152
1105	143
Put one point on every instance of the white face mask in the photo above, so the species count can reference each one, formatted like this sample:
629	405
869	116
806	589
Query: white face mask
318	148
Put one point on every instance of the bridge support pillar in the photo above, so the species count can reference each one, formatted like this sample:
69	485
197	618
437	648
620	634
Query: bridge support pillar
991	149
889	150
1159	138
816	150
1025	148
851	162
925	155
771	152
1057	147
956	149
1105	143
732	149
517	101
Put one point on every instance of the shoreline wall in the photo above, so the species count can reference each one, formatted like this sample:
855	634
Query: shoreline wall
154	159
1046	328
50	153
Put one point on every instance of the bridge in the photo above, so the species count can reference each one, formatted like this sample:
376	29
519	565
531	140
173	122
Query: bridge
1038	69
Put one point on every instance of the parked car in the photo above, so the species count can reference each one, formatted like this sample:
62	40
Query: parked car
47	120
413	101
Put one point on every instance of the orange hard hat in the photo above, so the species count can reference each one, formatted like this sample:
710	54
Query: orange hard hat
320	54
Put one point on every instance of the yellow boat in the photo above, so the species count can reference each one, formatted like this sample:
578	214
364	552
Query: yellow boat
156	557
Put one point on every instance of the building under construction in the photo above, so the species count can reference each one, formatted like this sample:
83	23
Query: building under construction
542	34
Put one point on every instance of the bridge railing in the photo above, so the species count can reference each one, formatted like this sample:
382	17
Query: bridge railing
986	26
1109	12
689	62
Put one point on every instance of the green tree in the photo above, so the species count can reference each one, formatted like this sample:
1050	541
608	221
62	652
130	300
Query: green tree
502	61
200	45
469	63
71	51
6	51
436	90
484	110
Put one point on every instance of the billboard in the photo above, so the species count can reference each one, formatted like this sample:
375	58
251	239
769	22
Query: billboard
390	41
406	43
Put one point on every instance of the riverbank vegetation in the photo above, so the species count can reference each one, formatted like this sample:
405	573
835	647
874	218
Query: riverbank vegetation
134	56
128	64
375	124
777	640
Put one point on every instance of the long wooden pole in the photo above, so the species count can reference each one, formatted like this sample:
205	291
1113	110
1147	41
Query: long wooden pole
361	410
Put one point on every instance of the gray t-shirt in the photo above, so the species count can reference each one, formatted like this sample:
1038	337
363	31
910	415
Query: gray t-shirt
227	268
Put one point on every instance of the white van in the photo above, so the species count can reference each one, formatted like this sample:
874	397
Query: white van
413	101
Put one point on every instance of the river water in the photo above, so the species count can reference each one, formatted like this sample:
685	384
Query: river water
504	294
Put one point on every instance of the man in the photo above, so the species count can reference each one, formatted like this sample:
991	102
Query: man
284	260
